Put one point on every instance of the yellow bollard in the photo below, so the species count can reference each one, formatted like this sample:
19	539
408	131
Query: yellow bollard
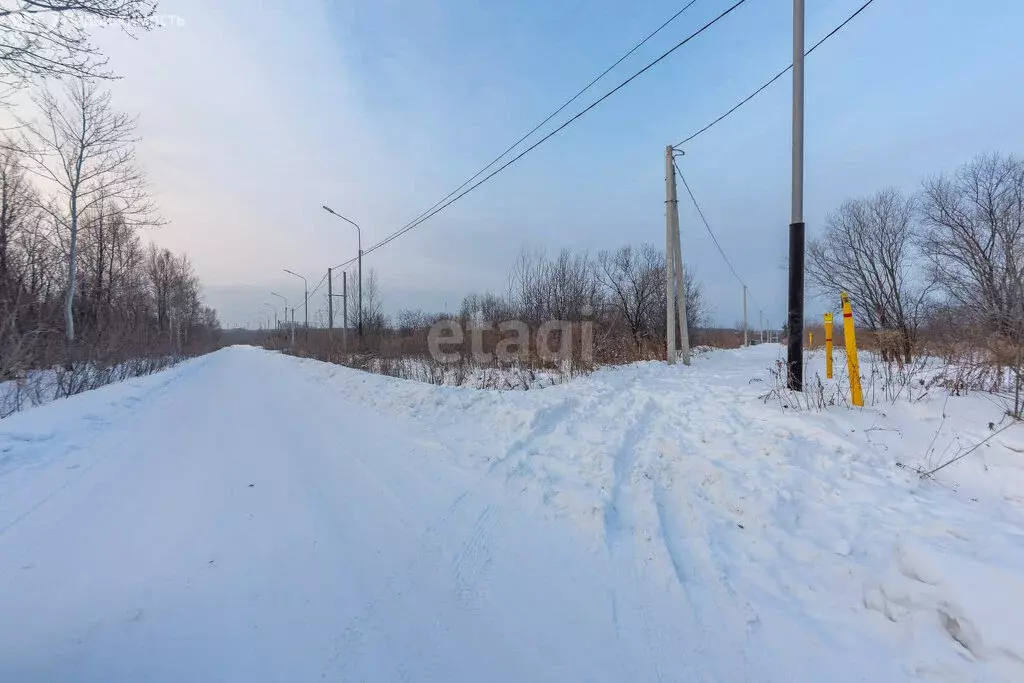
851	353
828	346
810	338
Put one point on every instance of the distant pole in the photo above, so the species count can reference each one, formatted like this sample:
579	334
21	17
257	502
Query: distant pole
305	289
760	315
293	327
330	304
670	248
285	306
344	311
360	284
746	342
795	345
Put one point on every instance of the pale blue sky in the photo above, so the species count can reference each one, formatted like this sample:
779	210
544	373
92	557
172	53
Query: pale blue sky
255	113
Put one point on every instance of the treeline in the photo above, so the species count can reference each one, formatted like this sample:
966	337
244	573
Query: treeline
937	271
620	293
78	283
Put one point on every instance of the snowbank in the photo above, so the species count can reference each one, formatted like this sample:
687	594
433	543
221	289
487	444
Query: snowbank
306	519
774	508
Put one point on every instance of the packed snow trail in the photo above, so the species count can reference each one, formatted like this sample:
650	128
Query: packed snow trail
253	517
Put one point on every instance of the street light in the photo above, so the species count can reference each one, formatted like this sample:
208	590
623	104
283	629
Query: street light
272	306
285	300
305	286
359	236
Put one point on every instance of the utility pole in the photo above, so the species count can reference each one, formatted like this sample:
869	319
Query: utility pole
746	342
330	304
360	286
760	315
684	326
344	311
680	269
670	248
795	343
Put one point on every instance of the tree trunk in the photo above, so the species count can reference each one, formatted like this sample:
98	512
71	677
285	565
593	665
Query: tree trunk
69	318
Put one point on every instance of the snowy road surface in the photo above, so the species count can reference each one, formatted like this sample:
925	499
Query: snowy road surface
252	517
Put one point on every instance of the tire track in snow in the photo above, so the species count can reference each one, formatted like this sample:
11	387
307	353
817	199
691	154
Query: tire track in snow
470	564
619	525
429	545
467	568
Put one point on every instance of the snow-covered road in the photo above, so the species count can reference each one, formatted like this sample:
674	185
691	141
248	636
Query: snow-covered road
251	517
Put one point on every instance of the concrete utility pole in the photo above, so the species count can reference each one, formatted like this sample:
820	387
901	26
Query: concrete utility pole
746	342
670	248
679	270
684	327
330	304
795	343
344	311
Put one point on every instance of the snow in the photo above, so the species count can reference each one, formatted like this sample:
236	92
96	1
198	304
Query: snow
251	516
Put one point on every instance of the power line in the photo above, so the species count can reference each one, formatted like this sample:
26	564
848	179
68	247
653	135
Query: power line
778	75
314	290
708	226
595	103
558	111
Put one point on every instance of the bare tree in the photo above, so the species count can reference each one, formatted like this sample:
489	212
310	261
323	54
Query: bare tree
18	202
50	38
487	307
374	319
867	249
974	237
86	149
632	279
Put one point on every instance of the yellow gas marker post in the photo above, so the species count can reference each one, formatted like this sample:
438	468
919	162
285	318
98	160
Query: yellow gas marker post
856	397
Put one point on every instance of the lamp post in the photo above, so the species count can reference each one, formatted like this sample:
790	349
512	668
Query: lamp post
359	237
285	300
273	308
305	289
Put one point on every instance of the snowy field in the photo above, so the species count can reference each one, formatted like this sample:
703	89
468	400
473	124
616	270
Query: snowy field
248	516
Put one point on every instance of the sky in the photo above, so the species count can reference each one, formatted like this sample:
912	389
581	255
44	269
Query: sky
254	114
